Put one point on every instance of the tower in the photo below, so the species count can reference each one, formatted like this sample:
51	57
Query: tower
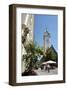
46	38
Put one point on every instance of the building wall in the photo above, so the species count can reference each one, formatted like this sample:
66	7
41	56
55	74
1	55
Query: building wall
28	21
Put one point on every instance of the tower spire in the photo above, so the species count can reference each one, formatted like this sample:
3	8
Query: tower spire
46	28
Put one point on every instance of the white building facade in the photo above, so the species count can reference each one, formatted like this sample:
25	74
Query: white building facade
28	23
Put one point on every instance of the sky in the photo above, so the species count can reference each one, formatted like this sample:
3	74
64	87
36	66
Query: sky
41	22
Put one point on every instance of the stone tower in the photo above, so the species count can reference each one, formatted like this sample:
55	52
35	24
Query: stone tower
47	42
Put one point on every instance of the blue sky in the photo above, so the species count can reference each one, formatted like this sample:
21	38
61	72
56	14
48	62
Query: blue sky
40	24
